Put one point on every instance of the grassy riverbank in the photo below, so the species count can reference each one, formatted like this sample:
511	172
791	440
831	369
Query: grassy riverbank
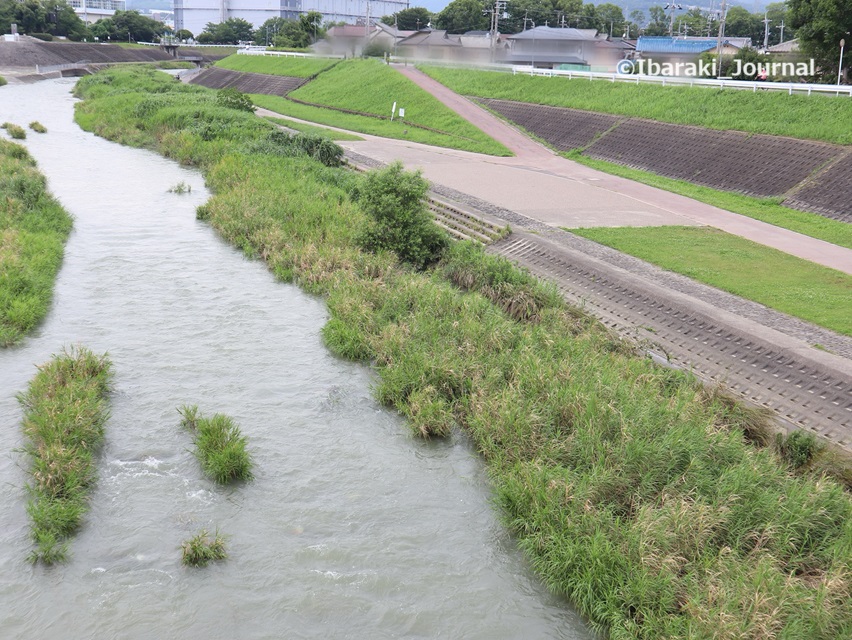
65	409
296	67
770	112
33	230
331	134
755	272
372	87
634	491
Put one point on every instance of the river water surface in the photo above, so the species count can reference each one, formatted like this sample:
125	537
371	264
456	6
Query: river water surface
351	529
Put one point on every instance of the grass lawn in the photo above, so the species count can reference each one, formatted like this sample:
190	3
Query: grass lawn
331	134
277	65
773	278
810	117
765	209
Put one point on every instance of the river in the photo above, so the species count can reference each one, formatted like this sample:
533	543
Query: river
352	528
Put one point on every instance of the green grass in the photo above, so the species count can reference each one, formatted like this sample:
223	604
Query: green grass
775	113
2	81
220	447
370	86
750	270
331	134
14	131
202	549
38	127
765	209
65	410
296	67
33	231
635	492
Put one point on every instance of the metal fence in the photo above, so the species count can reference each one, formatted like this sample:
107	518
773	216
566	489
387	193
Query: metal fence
789	87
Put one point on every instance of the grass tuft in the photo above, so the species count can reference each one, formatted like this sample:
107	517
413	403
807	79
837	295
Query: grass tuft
181	188
64	415
14	131
202	549
38	127
220	447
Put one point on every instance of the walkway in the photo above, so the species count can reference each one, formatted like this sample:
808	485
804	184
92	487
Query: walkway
554	190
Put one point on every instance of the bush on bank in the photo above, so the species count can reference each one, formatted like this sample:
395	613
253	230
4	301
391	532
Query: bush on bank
632	488
33	231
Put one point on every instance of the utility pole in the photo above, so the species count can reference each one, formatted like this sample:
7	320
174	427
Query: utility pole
782	32
766	22
499	7
723	14
671	6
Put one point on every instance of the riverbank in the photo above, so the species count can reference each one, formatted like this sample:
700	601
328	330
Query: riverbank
33	231
634	491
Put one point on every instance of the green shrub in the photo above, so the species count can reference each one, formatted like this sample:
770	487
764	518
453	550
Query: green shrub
38	127
313	146
201	549
47	37
233	99
798	448
220	447
14	131
2	81
395	201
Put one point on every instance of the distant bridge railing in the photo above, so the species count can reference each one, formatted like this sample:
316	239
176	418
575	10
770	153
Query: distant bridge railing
748	85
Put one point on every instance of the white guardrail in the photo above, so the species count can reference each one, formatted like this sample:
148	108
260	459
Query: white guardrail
789	87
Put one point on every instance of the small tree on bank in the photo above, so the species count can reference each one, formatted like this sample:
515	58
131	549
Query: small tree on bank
399	222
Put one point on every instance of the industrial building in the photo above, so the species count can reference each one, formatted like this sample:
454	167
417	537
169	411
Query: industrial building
195	14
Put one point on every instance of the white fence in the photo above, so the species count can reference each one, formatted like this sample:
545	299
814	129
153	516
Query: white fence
260	51
789	87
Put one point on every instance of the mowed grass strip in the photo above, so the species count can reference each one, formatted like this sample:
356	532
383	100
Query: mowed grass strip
764	209
33	231
750	270
296	67
371	86
331	134
771	112
635	491
65	409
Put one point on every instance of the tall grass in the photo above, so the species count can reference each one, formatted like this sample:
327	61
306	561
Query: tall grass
33	230
2	81
65	410
277	65
202	549
219	445
770	112
634	491
14	131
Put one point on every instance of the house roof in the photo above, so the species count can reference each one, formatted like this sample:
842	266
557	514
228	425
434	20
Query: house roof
667	44
431	38
392	30
554	33
791	46
350	31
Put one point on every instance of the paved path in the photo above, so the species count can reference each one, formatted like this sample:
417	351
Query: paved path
554	190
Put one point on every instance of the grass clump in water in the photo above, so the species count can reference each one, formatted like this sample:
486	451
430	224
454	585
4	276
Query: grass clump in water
220	447
202	549
65	411
33	230
181	188
38	127
14	131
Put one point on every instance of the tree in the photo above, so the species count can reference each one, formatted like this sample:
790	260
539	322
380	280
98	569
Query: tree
659	24
636	24
291	35
232	31
55	17
410	19
610	17
267	32
463	15
184	34
777	12
821	25
742	24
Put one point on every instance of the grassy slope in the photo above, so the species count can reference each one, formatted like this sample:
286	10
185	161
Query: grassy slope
33	230
372	87
276	65
747	269
631	488
2	81
319	131
775	113
764	209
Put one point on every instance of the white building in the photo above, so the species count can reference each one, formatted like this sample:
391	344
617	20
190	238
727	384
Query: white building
195	14
90	11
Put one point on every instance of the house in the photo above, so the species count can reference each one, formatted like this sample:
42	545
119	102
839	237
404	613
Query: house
564	48
684	49
347	40
430	44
